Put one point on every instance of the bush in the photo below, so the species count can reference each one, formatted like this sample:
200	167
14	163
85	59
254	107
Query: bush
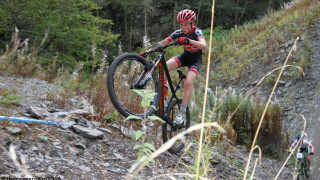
246	119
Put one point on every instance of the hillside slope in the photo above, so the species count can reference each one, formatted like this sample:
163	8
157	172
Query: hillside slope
314	126
248	54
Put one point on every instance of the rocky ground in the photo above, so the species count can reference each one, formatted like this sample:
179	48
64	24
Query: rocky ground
91	150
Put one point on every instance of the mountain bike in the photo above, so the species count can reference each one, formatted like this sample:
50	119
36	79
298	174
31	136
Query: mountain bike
303	163
134	72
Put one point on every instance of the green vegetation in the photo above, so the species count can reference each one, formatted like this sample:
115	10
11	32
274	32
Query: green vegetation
71	27
8	97
261	42
78	30
244	115
145	149
66	36
205	160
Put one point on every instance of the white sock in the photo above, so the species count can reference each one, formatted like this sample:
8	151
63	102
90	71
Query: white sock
183	109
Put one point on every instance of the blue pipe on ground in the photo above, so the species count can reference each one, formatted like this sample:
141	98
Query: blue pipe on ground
31	121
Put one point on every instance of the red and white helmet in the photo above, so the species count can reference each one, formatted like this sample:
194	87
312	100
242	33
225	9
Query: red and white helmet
186	15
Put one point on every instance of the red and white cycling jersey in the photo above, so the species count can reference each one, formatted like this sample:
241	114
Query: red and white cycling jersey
195	34
302	142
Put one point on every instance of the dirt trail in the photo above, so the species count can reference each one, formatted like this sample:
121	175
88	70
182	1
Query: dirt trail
315	174
315	159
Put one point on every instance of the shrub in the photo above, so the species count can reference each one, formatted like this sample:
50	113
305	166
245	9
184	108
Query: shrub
246	119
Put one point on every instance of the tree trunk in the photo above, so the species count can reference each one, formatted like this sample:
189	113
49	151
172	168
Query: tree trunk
236	15
126	24
269	7
242	13
145	18
174	15
198	12
130	33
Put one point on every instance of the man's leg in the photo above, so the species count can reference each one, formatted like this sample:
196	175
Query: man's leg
309	161
188	85
172	64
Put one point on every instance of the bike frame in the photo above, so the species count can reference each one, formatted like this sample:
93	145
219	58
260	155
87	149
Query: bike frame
303	163
164	69
160	60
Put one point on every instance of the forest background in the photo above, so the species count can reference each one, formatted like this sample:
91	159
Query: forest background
73	26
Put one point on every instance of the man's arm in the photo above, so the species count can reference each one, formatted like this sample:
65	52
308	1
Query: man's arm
290	149
164	42
292	145
200	44
310	145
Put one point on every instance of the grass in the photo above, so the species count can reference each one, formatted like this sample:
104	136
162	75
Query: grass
9	97
19	60
260	42
243	123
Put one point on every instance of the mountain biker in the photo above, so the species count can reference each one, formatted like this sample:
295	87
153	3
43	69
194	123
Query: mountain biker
193	41
303	144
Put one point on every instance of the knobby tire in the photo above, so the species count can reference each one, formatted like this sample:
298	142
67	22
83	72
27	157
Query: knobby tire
122	74
168	131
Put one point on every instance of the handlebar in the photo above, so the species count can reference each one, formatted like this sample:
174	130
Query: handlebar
159	48
171	44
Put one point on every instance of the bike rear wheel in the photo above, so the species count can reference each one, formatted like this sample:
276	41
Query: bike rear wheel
169	131
126	73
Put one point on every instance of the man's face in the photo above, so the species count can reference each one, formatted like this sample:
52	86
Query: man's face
186	27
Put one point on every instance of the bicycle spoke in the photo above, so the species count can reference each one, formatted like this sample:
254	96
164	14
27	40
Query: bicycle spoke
128	74
129	99
170	131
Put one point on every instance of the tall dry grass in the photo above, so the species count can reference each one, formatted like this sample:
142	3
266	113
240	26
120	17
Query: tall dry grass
100	97
19	59
267	105
239	116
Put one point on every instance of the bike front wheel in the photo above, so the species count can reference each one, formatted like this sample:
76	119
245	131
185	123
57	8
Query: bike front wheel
169	131
129	72
307	170
302	171
300	176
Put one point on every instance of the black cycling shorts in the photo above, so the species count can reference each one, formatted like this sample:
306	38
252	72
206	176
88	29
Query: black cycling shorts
193	61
